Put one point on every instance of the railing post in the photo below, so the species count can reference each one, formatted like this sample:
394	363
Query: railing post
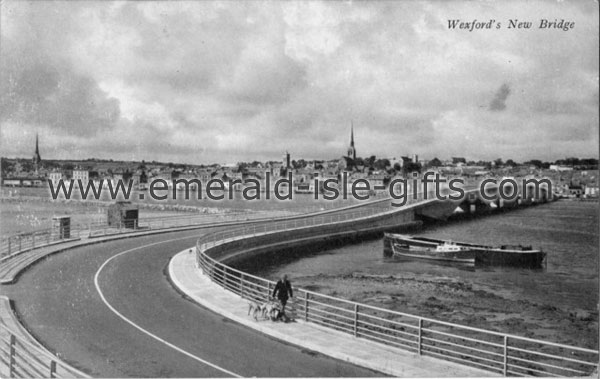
355	319
11	358
242	286
53	369
505	368
420	336
33	240
19	243
305	306
268	290
9	241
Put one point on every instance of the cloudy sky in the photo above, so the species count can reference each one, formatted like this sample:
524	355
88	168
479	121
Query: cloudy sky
204	82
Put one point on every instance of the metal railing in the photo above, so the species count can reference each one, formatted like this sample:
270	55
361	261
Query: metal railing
22	359
21	242
17	243
374	210
502	353
26	360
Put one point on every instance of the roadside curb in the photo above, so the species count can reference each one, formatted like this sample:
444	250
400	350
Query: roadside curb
14	271
188	279
11	270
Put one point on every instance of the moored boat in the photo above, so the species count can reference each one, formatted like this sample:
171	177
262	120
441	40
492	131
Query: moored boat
446	251
505	255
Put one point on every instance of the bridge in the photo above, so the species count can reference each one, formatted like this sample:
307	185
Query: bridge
504	354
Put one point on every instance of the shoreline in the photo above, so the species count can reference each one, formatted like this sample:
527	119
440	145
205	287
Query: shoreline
557	303
451	300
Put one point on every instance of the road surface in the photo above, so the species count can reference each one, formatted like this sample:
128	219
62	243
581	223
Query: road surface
121	317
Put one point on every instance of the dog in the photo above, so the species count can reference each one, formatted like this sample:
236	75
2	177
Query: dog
256	309
271	309
268	310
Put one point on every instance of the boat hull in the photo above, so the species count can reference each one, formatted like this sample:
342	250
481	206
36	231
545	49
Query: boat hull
484	255
462	256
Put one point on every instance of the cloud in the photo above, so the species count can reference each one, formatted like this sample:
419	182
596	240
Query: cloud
38	84
498	103
204	82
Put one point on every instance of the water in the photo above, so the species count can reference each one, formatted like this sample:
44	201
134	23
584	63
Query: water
567	231
545	301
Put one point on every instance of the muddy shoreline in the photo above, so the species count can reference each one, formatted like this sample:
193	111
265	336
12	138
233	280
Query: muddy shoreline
448	299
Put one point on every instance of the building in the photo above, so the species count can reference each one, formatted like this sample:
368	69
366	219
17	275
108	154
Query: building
556	167
55	176
575	190
37	159
81	174
591	190
286	161
351	148
348	162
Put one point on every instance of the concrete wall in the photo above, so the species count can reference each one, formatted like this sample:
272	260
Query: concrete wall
313	237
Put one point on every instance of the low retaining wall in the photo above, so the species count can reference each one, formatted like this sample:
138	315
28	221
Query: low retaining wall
259	238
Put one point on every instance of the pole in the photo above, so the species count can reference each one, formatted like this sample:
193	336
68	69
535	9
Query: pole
420	336
53	369
242	286
355	320
11	358
306	306
505	369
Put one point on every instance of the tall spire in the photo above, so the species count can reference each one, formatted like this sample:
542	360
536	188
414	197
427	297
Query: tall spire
37	159
351	149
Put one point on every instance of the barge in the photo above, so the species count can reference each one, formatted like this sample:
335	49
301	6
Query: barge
447	251
505	255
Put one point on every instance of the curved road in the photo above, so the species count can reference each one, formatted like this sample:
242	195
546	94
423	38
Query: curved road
166	335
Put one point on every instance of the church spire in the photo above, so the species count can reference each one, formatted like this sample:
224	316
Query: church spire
37	159
351	149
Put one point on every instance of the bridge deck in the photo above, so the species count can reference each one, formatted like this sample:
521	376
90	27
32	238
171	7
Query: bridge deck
388	360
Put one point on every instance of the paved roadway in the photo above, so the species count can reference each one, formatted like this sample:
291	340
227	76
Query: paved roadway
151	330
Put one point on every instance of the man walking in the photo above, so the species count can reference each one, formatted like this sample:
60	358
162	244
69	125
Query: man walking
283	288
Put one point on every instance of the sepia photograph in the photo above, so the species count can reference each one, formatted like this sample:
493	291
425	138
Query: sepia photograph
301	188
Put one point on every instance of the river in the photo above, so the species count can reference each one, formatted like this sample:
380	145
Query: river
558	302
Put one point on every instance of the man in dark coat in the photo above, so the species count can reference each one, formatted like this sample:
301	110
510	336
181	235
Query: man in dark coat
283	288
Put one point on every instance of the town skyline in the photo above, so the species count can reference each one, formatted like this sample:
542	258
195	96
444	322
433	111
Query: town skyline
351	145
231	81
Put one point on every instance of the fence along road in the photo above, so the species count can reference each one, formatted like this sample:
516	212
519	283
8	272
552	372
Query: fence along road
326	312
20	354
498	352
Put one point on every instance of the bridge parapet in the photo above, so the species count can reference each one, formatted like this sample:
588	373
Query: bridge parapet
498	352
21	356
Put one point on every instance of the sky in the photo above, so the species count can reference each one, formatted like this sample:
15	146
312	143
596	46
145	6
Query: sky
204	82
